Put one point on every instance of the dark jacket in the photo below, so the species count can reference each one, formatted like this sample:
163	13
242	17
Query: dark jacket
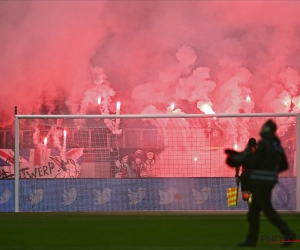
268	160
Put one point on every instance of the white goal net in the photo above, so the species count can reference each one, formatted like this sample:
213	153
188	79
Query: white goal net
138	162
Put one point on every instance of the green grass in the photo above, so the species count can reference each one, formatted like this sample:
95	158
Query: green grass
143	231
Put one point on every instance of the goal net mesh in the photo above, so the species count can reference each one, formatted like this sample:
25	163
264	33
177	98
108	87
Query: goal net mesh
140	163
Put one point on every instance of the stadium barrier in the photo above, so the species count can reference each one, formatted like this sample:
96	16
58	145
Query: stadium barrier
157	194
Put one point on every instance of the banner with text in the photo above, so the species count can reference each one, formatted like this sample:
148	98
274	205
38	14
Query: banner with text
34	163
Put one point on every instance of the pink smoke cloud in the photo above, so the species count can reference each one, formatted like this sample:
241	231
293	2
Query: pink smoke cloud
152	53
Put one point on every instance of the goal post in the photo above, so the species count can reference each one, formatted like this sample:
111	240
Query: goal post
178	161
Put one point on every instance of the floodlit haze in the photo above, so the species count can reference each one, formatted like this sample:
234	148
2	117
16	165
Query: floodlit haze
227	56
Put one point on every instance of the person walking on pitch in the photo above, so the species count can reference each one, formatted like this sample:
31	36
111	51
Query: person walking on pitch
266	163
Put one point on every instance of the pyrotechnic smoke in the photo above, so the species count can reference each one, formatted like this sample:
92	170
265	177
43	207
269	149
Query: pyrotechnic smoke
64	147
40	145
101	89
153	52
205	56
36	135
57	138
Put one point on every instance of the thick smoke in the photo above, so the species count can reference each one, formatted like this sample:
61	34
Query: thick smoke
235	56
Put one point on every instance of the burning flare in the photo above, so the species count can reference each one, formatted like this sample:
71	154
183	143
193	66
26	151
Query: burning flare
205	107
118	108
172	106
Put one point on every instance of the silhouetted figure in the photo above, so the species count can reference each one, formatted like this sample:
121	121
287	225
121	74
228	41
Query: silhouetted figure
268	160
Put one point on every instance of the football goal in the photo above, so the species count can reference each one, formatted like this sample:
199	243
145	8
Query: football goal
172	162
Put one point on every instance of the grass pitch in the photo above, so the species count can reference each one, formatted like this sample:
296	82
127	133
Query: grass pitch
134	231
